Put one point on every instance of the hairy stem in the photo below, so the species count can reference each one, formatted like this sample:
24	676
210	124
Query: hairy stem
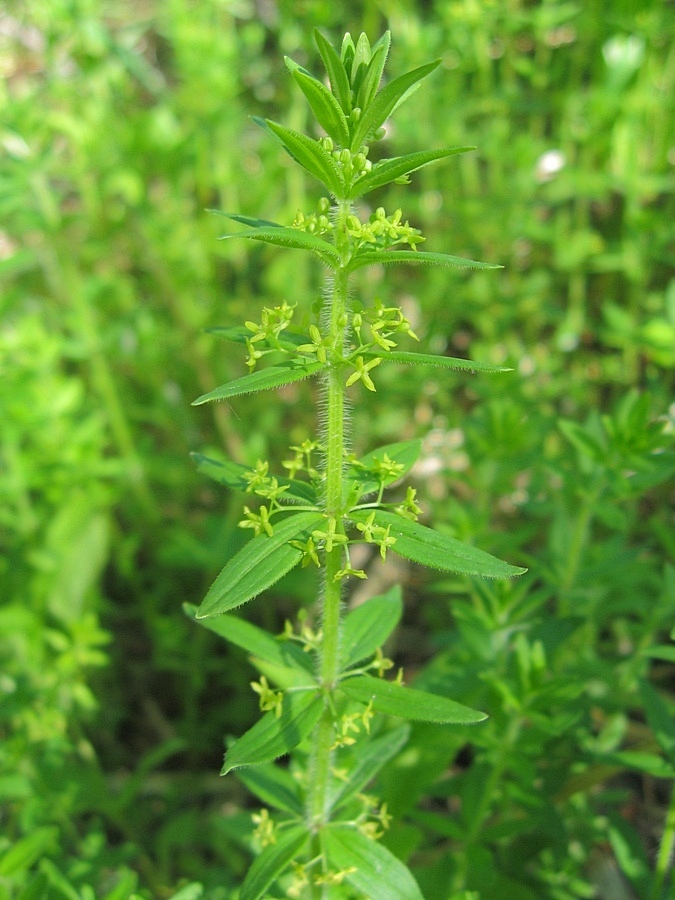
334	387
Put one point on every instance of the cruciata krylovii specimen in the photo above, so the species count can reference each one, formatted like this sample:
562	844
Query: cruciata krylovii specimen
323	688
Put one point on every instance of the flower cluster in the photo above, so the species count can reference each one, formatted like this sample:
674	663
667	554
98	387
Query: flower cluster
273	321
353	165
315	223
383	231
352	723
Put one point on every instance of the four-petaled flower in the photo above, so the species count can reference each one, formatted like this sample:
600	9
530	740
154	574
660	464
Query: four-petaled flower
331	536
269	699
308	550
265	828
362	370
347	571
259	522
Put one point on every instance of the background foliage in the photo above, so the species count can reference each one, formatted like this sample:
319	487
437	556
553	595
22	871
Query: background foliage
121	122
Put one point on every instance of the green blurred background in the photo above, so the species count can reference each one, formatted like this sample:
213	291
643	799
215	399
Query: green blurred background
120	124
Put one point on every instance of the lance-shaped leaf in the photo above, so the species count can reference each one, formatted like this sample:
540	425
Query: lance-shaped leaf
370	867
403	453
20	856
232	476
371	756
325	107
337	76
360	62
389	170
385	102
293	238
311	156
255	640
273	861
438	551
368	626
245	220
443	362
284	677
274	786
420	706
263	380
373	75
272	737
387	257
258	565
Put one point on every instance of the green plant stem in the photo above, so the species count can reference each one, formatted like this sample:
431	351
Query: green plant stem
579	543
329	667
666	850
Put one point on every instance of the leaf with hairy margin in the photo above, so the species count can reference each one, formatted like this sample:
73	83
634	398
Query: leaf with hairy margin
259	564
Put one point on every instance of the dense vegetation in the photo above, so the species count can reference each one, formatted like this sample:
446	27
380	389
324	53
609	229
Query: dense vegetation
120	124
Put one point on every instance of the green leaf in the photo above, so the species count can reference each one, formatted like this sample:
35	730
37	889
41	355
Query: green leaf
127	882
254	640
263	380
438	551
245	220
581	438
272	737
659	719
371	756
387	170
360	62
387	257
274	859
420	706
368	626
371	80
404	453
192	891
292	238
650	763
378	874
311	156
336	73
25	852
385	102
347	53
325	107
274	786
232	474
337	76
285	677
258	565
443	362
661	651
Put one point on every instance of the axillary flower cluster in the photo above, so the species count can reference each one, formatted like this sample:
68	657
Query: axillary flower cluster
323	687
